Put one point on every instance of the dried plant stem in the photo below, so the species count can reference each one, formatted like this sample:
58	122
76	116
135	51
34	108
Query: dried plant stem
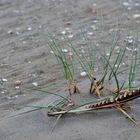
126	114
73	87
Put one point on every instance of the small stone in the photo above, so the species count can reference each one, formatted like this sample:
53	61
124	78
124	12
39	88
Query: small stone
95	21
70	36
129	8
63	32
94	4
126	4
16	11
2	92
137	4
93	27
18	82
132	49
130	39
65	50
96	69
51	52
29	28
118	51
24	42
90	33
40	26
16	87
10	32
35	84
117	47
4	80
123	64
111	29
17	33
82	51
83	74
70	55
107	54
29	62
136	16
129	17
68	23
16	96
67	29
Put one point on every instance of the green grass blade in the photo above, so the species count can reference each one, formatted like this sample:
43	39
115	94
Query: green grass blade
47	92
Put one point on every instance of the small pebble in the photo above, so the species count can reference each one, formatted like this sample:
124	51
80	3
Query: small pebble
126	4
16	96
118	51
18	82
132	49
10	32
70	36
67	29
40	26
16	11
137	4
117	47
68	23
123	64
24	42
51	52
111	29
35	84
29	28
136	16
16	87
95	21
130	39
90	33
82	51
107	54
93	27
2	92
94	4
63	32
4	80
83	74
29	62
70	55
65	50
17	33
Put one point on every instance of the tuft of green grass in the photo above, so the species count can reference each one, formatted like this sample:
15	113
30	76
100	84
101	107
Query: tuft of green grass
106	62
133	67
132	71
66	62
117	63
67	65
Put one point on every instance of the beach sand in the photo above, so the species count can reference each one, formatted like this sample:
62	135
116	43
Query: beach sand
25	56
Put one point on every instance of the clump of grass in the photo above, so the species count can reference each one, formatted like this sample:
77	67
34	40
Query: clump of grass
66	62
132	71
89	66
53	106
106	61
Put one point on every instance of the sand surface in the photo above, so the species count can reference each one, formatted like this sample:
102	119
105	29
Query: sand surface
25	56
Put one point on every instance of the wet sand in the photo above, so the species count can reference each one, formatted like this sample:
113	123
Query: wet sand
25	56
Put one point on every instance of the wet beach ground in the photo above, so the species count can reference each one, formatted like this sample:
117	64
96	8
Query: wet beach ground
25	56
